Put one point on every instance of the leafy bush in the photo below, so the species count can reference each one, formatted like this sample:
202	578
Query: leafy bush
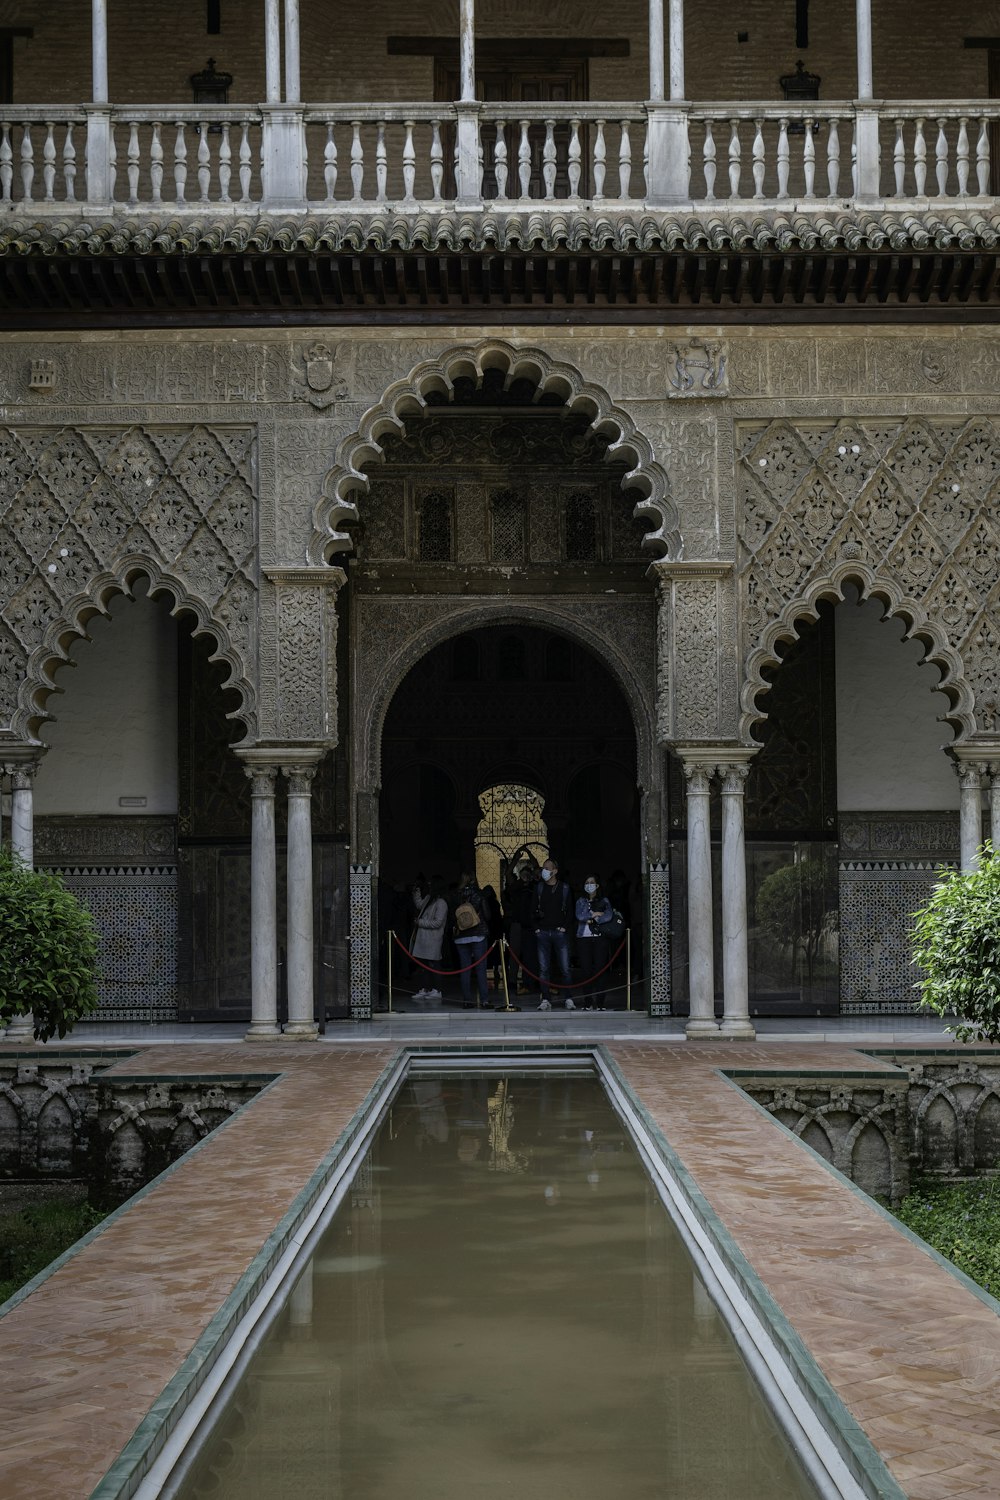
962	1222
957	944
48	950
32	1237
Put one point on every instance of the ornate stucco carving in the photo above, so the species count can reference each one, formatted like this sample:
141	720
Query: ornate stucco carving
437	375
305	696
695	682
901	507
85	510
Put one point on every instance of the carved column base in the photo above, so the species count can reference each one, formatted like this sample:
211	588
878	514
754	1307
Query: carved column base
701	1027
300	1031
738	1028
262	1031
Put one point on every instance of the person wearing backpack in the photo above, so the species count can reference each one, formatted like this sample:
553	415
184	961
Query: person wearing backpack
552	915
594	914
470	941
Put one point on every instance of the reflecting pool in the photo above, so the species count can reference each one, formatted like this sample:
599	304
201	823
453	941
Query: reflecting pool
501	1308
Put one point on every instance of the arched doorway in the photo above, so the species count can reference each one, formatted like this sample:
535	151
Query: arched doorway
513	740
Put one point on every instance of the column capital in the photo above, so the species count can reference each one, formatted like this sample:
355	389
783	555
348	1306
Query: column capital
970	774
328	577
732	778
698	776
299	778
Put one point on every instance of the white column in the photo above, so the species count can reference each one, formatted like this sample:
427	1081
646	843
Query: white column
293	86
467	50
272	52
994	770
970	780
735	965
676	22
300	956
263	906
864	26
656	50
701	971
99	50
22	840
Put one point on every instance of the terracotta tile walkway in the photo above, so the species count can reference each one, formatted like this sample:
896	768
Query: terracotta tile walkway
912	1354
85	1356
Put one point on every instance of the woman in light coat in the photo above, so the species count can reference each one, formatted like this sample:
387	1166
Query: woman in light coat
428	938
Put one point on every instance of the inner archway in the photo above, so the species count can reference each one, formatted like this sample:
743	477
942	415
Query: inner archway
516	741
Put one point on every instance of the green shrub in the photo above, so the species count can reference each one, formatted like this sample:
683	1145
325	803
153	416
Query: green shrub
962	1222
32	1237
48	950
957	945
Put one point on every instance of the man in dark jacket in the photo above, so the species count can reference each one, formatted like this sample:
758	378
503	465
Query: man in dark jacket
551	918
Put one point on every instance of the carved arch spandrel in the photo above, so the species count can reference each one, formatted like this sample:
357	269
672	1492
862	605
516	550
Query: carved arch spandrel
409	396
55	645
764	657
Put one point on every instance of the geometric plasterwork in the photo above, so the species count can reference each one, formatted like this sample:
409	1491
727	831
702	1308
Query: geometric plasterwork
85	510
903	509
346	483
305	698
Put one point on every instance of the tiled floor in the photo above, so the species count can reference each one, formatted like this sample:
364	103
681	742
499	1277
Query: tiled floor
914	1355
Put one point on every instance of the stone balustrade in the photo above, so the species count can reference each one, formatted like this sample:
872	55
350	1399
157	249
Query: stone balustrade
354	158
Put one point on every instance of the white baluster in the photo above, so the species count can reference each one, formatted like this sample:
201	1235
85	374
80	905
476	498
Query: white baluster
481	156
983	158
357	160
246	163
381	163
6	167
575	152
941	160
524	159
833	157
500	160
962	157
409	163
69	164
180	164
49	161
549	159
758	161
330	163
204	162
854	160
156	164
919	159
708	158
437	160
112	164
27	163
225	164
132	159
600	158
734	159
899	160
809	157
784	158
624	163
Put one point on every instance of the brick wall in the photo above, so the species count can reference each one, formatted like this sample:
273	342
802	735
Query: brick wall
153	49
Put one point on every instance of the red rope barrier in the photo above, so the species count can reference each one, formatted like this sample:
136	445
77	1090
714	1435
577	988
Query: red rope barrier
579	983
444	972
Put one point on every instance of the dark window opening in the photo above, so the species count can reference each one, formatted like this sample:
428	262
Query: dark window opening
511	659
434	527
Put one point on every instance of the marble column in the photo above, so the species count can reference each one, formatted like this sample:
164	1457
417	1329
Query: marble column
864	32
272	51
99	50
701	971
656	50
676	24
735	966
263	906
467	50
301	1024
970	780
21	1028
293	86
994	770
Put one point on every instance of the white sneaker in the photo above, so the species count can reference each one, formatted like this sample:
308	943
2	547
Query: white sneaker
433	995
545	1005
570	1005
420	995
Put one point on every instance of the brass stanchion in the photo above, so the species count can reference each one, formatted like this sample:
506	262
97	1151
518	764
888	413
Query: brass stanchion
628	968
392	939
504	950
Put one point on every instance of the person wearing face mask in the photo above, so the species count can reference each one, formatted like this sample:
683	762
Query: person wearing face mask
552	913
593	910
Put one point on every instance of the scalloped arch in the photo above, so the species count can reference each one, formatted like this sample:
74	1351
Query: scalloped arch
870	585
408	397
55	646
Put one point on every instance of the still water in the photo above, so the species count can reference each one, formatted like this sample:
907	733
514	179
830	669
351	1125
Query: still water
501	1308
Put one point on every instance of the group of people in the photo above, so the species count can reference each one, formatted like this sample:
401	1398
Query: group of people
540	919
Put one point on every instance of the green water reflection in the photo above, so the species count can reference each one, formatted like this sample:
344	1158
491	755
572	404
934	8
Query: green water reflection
501	1308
